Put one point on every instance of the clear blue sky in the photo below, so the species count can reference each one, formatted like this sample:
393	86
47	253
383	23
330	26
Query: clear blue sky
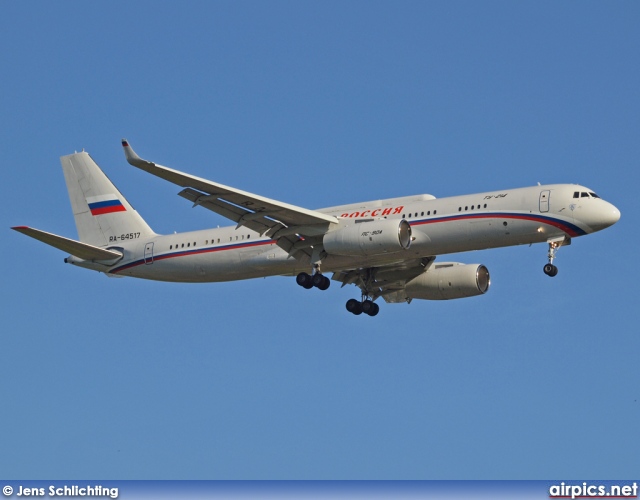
319	104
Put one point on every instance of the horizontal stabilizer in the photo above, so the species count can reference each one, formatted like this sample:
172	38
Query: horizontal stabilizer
76	248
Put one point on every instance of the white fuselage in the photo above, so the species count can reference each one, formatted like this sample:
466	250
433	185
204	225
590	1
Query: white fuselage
439	226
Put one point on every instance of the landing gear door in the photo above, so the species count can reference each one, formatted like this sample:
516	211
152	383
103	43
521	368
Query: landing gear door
148	253
544	201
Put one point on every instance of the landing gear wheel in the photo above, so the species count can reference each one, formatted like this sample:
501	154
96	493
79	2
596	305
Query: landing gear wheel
325	284
371	308
354	306
550	270
304	280
320	281
375	311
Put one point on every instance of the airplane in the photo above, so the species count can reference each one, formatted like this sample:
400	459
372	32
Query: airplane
385	247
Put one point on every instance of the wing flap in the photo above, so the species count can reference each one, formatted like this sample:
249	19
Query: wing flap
244	217
385	281
78	249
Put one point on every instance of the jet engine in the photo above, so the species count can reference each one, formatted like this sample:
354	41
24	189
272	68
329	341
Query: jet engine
449	281
369	238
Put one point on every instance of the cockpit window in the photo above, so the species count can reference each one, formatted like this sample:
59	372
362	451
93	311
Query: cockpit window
584	195
594	194
576	194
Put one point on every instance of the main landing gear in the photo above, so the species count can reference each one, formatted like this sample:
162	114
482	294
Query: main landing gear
309	281
367	283
366	306
549	269
357	307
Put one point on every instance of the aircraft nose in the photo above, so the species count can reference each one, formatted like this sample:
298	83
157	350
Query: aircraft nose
615	215
608	216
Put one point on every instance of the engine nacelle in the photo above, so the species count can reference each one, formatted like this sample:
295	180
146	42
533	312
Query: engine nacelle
450	281
369	238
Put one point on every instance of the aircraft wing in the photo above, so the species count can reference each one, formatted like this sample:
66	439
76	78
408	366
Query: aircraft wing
283	222
77	248
387	281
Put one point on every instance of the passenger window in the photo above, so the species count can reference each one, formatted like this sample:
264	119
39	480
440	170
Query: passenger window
248	236
183	245
421	214
435	212
188	245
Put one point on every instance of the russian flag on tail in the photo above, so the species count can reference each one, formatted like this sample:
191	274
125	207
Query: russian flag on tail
105	204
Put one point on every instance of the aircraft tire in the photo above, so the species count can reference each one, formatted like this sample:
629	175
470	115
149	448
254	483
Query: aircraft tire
367	307
324	284
375	309
317	280
354	306
550	270
304	280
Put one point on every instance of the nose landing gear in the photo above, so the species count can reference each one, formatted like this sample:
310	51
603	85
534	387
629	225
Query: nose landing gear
555	243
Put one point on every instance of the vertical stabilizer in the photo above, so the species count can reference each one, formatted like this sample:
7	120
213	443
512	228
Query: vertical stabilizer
100	210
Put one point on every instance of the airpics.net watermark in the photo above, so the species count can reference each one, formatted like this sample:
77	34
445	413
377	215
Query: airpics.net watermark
61	491
586	490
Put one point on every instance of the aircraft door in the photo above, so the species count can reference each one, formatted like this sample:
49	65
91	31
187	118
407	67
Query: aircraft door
544	201
148	253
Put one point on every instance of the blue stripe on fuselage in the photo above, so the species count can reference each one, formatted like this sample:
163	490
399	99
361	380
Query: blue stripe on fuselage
195	251
567	227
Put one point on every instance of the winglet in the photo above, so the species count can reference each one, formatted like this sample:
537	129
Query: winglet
130	154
